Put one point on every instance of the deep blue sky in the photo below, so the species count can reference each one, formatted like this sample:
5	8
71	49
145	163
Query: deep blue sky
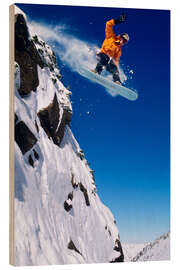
127	143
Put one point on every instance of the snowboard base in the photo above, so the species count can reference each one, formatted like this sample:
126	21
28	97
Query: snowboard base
121	90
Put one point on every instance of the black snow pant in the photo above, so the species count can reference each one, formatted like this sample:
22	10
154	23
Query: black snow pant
105	61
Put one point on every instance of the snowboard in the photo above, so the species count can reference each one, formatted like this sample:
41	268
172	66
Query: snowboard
121	90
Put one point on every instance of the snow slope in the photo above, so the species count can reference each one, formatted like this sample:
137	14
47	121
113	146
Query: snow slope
155	251
59	218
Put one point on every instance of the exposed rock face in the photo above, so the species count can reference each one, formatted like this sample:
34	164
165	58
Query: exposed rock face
118	248
49	119
24	137
26	56
86	197
72	246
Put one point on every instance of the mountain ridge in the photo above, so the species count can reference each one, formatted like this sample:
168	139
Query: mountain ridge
159	249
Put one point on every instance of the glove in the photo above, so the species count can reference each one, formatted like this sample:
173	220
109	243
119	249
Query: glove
120	19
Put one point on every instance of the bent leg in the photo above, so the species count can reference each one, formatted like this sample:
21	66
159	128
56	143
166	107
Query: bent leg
112	68
103	60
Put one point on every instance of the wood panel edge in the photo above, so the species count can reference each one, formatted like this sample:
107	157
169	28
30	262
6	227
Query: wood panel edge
11	134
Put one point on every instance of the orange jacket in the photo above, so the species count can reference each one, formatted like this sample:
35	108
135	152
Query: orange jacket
110	46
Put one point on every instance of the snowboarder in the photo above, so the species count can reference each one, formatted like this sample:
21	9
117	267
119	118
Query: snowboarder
111	49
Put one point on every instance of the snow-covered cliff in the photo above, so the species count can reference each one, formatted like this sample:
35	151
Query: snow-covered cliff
59	218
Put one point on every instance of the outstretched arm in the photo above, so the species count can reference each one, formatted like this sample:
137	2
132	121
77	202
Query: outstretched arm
109	25
109	29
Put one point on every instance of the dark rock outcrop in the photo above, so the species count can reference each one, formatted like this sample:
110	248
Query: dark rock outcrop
15	118
67	203
31	162
50	118
27	56
70	196
73	182
67	206
36	154
24	137
80	154
119	249
36	125
86	197
72	246
33	157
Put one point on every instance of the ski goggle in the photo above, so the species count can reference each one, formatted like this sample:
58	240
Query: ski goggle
118	42
124	40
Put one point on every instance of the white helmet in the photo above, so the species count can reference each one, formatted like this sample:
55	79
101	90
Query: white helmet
125	36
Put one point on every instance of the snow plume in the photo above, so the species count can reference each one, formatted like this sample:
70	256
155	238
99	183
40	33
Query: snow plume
71	50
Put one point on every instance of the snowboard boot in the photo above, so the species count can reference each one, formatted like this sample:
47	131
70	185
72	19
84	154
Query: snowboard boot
118	82
94	71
